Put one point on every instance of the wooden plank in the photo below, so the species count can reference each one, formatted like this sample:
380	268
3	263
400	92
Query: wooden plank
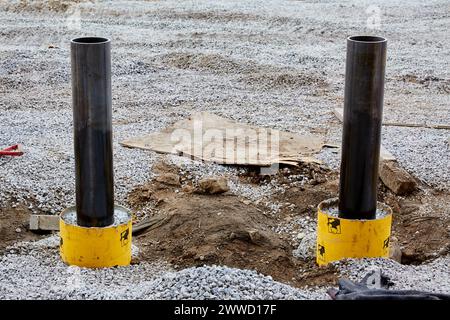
385	155
51	223
397	179
339	113
148	224
417	125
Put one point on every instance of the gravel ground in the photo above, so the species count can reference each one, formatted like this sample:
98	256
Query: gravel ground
421	151
433	276
33	270
249	61
275	63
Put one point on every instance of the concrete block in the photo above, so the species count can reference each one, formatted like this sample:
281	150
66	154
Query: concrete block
44	222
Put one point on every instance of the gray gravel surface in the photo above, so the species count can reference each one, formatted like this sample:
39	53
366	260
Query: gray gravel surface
433	276
276	63
35	271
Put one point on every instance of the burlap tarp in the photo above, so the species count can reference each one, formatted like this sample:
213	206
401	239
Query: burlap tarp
209	137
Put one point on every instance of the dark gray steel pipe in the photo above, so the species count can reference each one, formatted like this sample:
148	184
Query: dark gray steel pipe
92	119
363	109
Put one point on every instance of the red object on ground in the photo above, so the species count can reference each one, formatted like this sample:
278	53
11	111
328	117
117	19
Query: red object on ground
15	150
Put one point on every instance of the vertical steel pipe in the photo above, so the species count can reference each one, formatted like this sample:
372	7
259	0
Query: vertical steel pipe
92	119
363	109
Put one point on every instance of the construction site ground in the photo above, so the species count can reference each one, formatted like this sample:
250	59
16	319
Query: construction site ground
275	64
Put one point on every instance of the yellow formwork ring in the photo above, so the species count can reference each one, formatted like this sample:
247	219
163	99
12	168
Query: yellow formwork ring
95	247
339	238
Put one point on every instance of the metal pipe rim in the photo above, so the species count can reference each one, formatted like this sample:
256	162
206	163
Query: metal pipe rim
382	211
90	40
367	39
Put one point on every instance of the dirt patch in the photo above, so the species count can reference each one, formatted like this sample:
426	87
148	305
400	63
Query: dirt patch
14	226
422	238
191	229
430	82
284	80
41	5
420	220
305	186
217	16
215	63
421	227
305	173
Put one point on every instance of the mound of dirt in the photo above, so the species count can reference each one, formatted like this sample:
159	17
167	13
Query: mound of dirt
189	228
195	229
192	229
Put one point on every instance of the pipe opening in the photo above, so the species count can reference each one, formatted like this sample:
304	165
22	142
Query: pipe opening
90	40
367	39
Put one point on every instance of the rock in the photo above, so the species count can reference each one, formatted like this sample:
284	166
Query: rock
396	179
188	189
307	247
332	185
170	179
395	252
18	230
409	256
255	236
213	185
444	250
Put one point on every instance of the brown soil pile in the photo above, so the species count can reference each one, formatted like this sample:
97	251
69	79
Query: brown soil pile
192	229
420	225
